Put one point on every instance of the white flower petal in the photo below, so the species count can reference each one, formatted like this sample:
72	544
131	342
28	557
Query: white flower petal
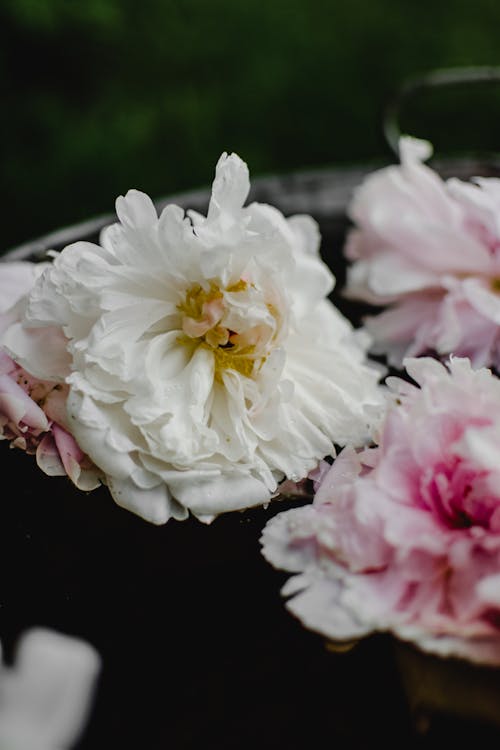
221	494
16	280
307	234
136	209
230	187
414	150
154	504
42	352
46	697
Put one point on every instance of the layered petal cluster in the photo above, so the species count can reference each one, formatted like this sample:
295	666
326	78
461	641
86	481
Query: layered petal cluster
204	360
32	410
405	537
428	249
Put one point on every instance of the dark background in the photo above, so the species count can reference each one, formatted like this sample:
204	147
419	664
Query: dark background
104	95
98	97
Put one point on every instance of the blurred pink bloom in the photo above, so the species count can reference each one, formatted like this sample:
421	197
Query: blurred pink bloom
405	537
33	411
430	250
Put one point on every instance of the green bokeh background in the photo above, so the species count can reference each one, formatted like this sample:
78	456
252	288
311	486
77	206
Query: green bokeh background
104	95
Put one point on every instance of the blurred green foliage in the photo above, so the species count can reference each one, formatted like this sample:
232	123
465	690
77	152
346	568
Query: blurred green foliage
103	95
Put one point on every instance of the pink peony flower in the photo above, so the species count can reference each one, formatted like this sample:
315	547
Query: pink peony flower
33	411
405	537
430	250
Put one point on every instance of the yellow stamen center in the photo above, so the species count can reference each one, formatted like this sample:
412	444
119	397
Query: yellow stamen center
203	321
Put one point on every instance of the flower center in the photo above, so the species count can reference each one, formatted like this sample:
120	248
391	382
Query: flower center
458	495
219	319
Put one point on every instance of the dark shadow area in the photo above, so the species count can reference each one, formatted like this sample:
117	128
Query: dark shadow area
107	95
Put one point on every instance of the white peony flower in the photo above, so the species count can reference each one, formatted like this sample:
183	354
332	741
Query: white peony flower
204	360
